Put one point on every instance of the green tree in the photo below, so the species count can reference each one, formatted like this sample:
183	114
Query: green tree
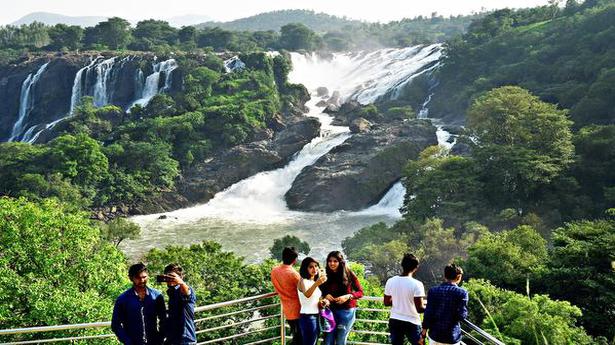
509	258
518	319
118	230
64	36
384	259
296	36
581	269
113	33
521	143
151	33
81	159
444	186
288	241
54	269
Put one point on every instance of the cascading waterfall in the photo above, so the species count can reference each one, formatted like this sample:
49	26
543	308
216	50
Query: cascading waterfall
151	85
26	102
97	79
77	91
103	74
248	215
365	77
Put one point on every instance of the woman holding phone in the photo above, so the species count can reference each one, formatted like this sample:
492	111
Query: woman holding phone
342	289
310	299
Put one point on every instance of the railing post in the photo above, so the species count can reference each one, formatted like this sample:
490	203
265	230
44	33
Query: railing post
282	326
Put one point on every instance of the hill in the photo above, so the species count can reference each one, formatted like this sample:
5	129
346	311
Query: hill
565	56
274	20
54	18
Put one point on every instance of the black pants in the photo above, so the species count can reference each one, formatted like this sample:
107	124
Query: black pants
295	331
400	329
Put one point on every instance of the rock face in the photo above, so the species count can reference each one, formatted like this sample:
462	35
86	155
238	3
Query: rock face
205	179
50	96
359	172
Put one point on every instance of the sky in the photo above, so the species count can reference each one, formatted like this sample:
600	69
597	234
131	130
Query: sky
369	10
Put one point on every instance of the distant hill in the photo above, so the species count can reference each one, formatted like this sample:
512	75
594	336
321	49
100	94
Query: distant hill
84	21
274	20
54	18
187	20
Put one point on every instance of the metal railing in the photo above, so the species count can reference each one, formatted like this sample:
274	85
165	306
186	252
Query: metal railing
247	321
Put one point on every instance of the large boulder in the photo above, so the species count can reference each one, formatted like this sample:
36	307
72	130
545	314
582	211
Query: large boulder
360	125
358	173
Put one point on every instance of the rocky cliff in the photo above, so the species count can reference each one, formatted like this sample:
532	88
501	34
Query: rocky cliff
356	174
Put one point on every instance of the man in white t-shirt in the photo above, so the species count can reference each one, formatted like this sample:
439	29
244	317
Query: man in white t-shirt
406	295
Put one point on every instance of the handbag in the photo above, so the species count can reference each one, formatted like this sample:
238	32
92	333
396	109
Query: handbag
326	321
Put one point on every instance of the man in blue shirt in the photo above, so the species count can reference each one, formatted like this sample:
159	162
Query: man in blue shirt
139	313
182	299
447	306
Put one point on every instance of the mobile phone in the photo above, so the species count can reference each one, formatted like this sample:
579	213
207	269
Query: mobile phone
162	278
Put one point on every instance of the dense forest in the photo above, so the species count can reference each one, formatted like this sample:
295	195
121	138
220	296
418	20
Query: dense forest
524	201
291	30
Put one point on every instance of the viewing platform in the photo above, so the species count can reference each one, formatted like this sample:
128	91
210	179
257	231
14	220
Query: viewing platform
246	321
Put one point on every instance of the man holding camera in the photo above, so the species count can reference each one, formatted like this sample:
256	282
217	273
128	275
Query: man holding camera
180	328
139	313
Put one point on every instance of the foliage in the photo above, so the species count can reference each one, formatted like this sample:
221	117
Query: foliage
53	268
113	33
581	270
521	142
382	247
297	37
118	230
288	241
442	185
566	59
509	259
217	276
519	319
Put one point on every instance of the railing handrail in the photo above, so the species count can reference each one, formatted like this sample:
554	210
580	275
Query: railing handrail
484	334
25	330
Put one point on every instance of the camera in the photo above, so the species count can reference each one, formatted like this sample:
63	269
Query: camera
162	278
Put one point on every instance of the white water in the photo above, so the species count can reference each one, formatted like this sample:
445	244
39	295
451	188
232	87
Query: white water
103	73
25	102
365	76
77	91
247	216
150	87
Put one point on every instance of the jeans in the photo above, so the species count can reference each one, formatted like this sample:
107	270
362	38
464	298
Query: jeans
400	329
309	328
344	319
295	332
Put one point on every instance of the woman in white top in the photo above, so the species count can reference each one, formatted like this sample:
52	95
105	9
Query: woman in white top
310	298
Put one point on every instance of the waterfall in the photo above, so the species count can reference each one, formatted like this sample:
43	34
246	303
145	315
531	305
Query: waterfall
26	103
77	91
151	85
103	74
363	76
249	214
366	77
233	64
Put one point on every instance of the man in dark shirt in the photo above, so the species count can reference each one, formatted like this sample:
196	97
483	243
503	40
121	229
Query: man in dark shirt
139	313
182	299
447	306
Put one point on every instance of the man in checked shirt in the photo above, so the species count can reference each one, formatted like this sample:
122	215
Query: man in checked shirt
447	306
